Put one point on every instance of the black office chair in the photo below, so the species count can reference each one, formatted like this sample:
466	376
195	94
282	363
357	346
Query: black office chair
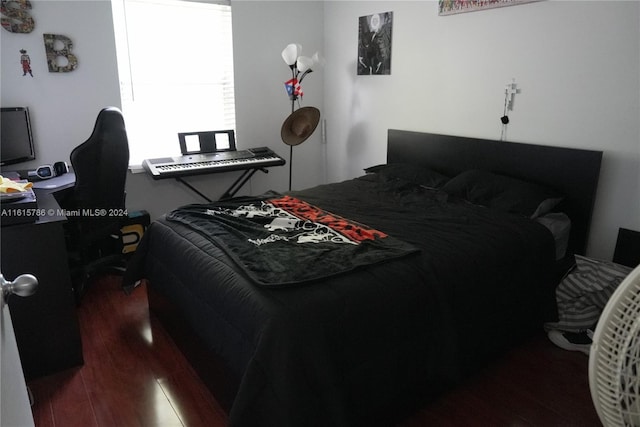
94	238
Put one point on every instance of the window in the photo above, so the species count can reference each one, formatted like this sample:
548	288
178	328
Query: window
175	64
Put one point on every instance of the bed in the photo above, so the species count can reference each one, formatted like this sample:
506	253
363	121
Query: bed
445	271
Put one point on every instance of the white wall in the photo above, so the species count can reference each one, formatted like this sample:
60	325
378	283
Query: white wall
577	64
63	106
261	30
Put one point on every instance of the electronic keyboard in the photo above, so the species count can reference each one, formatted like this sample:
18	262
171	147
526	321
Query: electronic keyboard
219	161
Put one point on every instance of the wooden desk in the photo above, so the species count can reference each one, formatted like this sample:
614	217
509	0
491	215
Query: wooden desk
45	324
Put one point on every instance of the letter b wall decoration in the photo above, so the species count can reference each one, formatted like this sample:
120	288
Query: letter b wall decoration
59	56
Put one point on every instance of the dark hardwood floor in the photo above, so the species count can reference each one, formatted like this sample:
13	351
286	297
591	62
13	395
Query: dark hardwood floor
135	376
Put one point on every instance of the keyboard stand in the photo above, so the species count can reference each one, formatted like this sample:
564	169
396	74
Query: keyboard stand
232	190
179	179
241	181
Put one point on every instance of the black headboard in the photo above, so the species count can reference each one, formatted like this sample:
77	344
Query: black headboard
573	172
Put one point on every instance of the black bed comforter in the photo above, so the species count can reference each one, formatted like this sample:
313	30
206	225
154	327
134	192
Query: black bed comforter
356	348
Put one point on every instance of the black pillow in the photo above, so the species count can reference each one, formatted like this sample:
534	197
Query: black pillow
418	175
502	193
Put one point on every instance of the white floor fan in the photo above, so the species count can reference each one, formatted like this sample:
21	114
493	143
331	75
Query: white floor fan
614	360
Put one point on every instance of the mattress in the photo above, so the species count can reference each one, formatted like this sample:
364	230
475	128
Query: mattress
355	347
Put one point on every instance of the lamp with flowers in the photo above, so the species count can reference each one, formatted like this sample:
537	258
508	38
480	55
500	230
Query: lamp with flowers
302	122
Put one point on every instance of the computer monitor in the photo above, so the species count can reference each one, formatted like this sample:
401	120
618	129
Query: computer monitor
16	138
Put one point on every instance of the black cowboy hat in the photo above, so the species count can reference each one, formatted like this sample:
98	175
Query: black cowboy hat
300	125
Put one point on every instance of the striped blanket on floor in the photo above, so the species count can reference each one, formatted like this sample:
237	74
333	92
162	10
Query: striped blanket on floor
584	291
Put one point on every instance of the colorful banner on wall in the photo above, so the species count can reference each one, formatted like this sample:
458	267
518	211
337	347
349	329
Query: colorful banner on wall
450	7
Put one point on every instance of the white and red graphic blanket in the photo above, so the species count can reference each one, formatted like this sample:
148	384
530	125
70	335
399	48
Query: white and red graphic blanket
283	240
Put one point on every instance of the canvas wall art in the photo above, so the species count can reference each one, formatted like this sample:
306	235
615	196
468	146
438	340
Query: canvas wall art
374	43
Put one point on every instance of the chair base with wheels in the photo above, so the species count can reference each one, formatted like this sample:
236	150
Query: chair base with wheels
90	260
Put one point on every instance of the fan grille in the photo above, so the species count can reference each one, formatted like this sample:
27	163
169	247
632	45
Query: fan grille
614	363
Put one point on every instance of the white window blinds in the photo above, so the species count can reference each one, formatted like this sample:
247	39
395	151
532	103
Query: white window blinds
175	64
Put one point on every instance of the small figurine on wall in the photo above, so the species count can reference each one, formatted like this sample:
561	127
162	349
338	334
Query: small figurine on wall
26	63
